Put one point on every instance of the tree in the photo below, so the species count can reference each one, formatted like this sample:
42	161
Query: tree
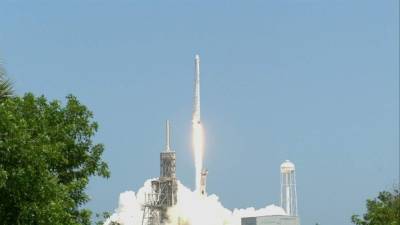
383	210
102	218
47	156
5	85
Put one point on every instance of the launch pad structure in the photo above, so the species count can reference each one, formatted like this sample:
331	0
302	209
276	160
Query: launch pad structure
164	189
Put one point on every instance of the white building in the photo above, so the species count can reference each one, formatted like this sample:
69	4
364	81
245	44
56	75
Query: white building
271	220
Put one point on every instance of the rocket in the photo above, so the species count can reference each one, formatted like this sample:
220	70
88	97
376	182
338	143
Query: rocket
196	120
196	107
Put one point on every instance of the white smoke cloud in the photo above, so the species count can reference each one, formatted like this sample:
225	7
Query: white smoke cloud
129	211
191	209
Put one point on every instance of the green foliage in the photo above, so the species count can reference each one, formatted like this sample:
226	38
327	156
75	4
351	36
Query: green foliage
46	158
383	210
5	85
103	217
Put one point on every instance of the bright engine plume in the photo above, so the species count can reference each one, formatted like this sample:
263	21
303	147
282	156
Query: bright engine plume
197	129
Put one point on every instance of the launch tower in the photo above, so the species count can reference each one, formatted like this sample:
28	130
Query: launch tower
164	189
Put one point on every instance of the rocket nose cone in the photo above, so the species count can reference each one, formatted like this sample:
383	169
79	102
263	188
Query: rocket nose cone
197	57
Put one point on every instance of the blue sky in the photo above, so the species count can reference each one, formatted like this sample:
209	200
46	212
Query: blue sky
313	81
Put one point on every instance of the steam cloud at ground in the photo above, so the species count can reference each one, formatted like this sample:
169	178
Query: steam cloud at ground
191	208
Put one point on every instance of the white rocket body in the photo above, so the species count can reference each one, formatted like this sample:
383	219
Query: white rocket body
196	107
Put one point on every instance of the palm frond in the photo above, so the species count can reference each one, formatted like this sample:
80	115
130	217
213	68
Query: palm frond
6	89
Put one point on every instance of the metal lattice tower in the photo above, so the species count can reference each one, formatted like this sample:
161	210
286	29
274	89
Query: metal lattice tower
164	189
288	188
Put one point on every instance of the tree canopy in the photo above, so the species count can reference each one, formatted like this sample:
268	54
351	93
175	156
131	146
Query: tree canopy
47	155
383	210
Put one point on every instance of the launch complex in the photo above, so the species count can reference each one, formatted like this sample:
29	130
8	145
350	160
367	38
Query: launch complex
164	189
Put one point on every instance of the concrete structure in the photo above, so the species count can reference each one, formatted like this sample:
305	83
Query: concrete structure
164	189
288	188
271	220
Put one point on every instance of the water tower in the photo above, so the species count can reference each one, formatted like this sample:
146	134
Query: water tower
288	188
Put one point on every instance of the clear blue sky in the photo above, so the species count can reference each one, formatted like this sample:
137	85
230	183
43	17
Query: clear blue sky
313	81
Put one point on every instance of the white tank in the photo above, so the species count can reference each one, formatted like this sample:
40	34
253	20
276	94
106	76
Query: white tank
287	166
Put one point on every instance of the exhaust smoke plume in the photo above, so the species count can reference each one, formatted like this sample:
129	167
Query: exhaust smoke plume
191	209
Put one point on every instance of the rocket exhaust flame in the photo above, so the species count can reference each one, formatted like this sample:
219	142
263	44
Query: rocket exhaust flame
197	129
